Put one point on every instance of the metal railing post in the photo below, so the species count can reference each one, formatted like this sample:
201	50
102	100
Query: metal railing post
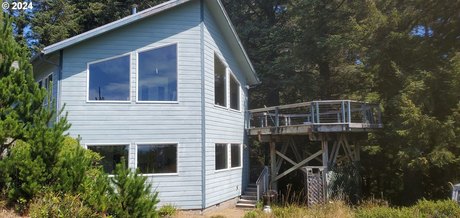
317	112
344	119
349	111
277	117
312	112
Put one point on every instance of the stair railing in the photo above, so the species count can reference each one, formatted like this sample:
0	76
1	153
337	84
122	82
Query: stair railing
262	183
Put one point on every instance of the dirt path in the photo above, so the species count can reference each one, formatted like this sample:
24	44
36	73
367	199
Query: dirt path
217	212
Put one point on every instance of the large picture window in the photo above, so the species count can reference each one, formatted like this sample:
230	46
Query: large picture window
111	155
234	93
109	80
157	74
154	158
220	93
236	155
221	156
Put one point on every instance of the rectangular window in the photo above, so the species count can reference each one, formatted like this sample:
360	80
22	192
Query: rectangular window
153	158
236	155
221	156
111	155
49	82
157	74
109	80
234	93
220	93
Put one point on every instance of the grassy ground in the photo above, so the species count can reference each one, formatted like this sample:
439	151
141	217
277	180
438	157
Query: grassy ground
333	209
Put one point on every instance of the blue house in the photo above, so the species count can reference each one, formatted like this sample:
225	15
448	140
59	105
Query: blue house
167	90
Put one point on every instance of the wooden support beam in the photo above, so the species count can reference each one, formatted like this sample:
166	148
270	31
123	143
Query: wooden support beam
274	184
289	160
325	151
348	148
298	165
333	153
280	160
358	152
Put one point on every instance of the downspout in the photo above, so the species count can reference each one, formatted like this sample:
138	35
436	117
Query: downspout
203	111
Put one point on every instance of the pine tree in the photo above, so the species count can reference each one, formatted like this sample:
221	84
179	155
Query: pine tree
24	118
132	197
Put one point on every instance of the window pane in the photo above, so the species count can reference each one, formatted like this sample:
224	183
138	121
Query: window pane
158	74
157	158
221	156
236	155
220	97
111	155
109	80
234	93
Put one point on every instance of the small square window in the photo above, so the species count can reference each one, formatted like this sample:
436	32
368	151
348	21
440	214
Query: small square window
221	156
111	155
153	158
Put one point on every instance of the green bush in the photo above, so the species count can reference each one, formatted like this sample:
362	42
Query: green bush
251	214
72	166
167	210
131	196
384	212
444	208
55	205
24	174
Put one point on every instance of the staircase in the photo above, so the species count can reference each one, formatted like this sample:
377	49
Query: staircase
249	198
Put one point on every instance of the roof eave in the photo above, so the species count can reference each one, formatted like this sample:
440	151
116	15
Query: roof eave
113	25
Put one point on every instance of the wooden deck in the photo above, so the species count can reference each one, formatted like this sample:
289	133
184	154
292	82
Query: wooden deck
334	116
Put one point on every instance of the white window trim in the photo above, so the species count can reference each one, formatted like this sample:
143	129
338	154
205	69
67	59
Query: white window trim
228	74
231	74
157	143
241	155
226	81
229	157
46	86
177	74
112	144
106	59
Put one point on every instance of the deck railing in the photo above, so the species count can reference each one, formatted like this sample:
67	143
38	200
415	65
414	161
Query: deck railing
262	183
333	112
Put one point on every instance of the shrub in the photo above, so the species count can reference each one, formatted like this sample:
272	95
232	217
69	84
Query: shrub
251	214
444	208
384	212
95	190
56	205
167	210
24	174
72	166
131	196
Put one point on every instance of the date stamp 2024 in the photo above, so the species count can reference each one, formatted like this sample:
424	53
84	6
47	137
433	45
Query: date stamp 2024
17	5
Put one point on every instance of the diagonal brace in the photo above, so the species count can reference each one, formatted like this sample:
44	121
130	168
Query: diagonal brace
299	165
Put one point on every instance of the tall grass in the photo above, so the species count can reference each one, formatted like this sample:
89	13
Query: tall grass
372	208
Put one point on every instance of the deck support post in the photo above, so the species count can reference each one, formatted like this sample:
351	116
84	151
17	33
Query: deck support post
325	150
273	167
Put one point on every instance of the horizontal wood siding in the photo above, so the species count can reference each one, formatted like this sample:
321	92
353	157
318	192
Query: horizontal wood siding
222	125
132	122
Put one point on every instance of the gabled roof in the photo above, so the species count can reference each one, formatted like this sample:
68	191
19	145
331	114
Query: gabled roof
217	10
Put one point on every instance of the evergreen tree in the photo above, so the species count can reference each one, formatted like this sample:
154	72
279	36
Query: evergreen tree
132	197
24	118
